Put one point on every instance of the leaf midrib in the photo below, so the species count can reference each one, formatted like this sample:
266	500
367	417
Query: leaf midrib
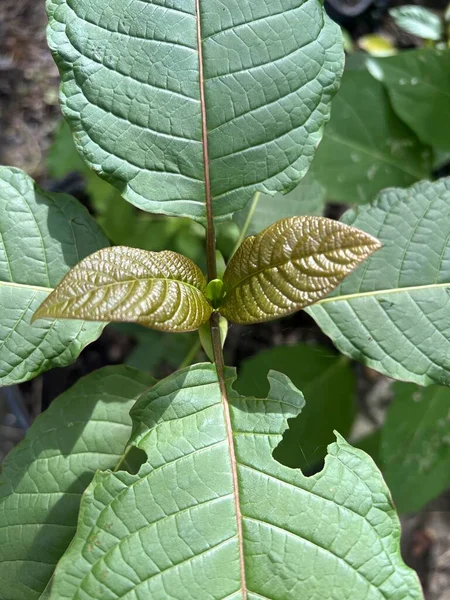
212	274
291	260
383	292
106	285
28	286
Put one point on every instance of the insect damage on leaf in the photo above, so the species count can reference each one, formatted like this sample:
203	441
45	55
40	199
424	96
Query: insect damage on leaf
161	290
290	265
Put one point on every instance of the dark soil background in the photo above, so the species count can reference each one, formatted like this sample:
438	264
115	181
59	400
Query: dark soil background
29	115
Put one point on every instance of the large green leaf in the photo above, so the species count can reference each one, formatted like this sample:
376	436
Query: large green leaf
42	236
263	210
177	102
43	478
290	265
211	515
392	313
328	385
366	147
162	290
415	445
419	88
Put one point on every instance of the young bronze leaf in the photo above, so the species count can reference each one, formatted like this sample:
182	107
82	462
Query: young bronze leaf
162	290
291	264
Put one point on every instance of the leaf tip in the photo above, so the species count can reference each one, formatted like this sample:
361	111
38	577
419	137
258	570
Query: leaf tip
38	315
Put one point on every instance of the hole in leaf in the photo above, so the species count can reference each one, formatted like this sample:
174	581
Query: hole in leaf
133	461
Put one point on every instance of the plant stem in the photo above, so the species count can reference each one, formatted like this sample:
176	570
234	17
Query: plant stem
210	232
216	342
248	219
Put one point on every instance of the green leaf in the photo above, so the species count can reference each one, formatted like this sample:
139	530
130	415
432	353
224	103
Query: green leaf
366	147
417	80
212	515
392	313
308	198
415	445
42	236
44	477
169	100
122	222
329	387
419	21
290	265
161	290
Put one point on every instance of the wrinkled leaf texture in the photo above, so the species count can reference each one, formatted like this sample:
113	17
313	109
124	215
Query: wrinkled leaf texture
161	290
290	265
42	236
392	312
212	515
44	477
144	95
324	377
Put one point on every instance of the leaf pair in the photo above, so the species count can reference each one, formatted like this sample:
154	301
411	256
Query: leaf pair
288	266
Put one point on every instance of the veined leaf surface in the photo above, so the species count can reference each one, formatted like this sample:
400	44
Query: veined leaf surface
392	313
42	236
326	379
162	290
211	515
415	445
44	477
417	80
178	102
290	265
366	147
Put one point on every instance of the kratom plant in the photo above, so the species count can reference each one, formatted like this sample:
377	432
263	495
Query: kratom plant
130	488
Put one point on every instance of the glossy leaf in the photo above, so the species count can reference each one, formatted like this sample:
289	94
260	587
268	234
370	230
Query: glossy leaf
290	265
212	515
162	290
44	477
415	445
145	96
418	85
329	387
42	236
366	147
308	198
392	313
418	21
